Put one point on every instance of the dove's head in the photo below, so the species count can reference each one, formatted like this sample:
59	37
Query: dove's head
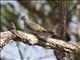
25	18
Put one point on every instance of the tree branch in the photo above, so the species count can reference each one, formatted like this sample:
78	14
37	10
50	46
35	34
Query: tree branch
32	39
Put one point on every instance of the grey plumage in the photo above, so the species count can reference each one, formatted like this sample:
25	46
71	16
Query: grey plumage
32	25
36	29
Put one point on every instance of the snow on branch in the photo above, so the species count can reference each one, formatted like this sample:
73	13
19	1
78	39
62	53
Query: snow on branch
32	39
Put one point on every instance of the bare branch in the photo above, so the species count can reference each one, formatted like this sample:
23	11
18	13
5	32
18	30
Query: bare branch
50	42
5	37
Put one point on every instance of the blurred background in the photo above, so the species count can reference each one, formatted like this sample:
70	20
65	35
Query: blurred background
49	14
58	16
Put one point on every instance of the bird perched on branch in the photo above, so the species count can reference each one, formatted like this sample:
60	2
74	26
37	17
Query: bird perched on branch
35	28
32	25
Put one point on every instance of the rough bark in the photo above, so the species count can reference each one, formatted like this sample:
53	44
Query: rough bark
32	39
